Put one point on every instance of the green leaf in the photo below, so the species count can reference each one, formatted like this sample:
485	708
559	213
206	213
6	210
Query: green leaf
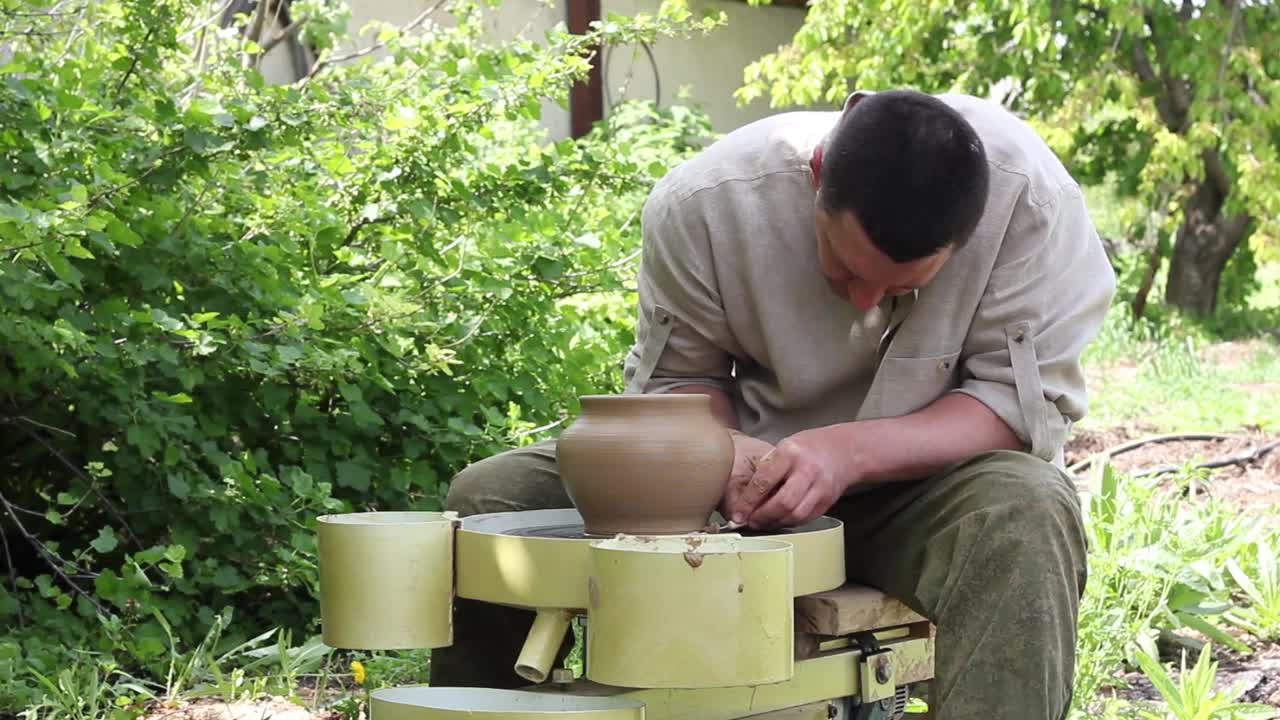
365	417
353	475
401	117
350	393
178	485
45	585
8	605
106	541
123	234
1212	631
226	577
64	269
143	438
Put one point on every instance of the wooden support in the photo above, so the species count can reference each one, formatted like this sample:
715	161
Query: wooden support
851	609
586	99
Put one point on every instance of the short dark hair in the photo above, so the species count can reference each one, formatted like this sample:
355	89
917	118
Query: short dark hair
912	169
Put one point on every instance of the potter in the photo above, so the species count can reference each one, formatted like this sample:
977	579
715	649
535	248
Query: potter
886	305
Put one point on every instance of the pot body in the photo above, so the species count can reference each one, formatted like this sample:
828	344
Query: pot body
645	464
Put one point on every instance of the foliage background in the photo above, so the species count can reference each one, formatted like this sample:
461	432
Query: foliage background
1176	105
229	307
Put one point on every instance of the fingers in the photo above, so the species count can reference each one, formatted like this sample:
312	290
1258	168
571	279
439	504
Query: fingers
744	457
782	507
807	510
769	471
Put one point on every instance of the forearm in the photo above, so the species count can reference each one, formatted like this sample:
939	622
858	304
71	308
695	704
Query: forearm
953	428
721	403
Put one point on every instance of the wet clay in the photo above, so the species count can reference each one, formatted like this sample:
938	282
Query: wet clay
645	464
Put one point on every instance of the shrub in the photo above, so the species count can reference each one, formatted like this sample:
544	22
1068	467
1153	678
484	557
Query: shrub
230	306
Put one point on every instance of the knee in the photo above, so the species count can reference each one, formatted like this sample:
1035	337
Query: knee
519	479
1029	493
471	489
1034	513
479	487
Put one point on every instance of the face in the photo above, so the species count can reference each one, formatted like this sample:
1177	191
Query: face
857	271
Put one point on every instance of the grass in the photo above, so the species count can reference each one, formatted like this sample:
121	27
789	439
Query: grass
1157	565
1171	379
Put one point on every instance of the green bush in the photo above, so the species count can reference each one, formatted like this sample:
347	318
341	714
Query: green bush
227	306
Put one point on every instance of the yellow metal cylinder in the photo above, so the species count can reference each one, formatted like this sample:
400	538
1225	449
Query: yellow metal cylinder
386	580
448	703
545	637
696	611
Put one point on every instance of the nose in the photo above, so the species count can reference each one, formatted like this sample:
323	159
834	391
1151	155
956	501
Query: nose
864	297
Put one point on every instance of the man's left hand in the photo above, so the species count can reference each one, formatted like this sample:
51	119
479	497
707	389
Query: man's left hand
798	482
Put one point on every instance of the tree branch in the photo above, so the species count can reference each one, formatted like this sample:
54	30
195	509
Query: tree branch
92	482
51	559
253	32
1232	229
289	31
136	56
333	60
1216	172
1240	458
1147	74
1175	103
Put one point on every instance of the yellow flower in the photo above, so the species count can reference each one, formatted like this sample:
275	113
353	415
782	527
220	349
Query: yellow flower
357	670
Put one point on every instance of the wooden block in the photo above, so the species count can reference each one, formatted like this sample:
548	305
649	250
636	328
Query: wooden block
850	609
806	645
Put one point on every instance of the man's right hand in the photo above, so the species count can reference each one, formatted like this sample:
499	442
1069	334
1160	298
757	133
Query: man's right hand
747	453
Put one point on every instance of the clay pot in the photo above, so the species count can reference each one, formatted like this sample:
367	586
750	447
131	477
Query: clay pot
645	464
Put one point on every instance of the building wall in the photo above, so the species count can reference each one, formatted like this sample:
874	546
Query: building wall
700	70
709	68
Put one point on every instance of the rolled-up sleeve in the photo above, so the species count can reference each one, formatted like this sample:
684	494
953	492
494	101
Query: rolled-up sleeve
681	336
1045	301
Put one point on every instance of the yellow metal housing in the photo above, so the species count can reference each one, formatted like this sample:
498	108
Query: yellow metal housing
386	580
498	563
690	612
828	676
447	703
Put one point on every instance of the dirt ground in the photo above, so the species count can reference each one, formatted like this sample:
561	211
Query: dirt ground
1254	485
268	708
1256	677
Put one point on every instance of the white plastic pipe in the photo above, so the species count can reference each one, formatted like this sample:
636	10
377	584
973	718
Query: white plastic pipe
543	642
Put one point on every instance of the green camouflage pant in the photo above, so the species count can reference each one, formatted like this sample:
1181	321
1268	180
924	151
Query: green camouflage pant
992	551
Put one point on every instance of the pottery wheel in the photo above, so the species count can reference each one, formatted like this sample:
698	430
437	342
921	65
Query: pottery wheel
539	558
575	530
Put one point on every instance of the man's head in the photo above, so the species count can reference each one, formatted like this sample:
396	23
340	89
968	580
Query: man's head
902	182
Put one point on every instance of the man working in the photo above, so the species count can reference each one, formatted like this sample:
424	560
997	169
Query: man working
887	306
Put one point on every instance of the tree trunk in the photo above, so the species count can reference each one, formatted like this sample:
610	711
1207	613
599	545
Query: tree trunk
1207	239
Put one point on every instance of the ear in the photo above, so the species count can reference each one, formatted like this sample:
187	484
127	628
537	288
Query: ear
815	166
854	98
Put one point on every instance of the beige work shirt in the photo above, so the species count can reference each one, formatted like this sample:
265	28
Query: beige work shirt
731	293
